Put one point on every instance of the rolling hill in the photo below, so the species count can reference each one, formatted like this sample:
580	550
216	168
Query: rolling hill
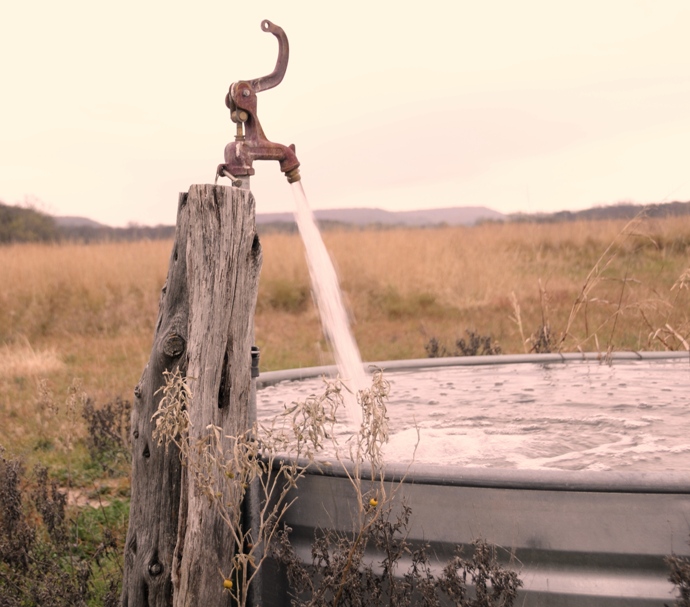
379	217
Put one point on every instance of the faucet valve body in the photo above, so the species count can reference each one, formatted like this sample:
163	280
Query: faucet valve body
250	142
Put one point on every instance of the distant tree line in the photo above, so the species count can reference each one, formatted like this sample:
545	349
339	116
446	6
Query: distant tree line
617	211
22	224
25	224
88	234
290	227
19	224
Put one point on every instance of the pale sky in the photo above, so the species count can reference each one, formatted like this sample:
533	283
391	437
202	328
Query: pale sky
108	110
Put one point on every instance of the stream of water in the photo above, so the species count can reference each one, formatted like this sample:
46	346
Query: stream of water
570	416
329	301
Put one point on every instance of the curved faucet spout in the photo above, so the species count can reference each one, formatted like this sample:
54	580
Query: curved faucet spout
239	156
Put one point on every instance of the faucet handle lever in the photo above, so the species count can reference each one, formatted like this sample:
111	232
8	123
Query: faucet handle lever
276	76
251	87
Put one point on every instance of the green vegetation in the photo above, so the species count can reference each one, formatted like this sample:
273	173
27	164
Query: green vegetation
53	555
28	224
474	345
19	224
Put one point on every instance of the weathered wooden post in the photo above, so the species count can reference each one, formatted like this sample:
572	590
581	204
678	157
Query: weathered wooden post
176	544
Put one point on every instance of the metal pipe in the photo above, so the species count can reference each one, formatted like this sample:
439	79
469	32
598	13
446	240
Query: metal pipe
252	501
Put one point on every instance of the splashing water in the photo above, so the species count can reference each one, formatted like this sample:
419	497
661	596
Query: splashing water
573	415
330	303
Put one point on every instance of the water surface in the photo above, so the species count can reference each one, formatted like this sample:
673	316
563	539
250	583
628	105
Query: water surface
629	415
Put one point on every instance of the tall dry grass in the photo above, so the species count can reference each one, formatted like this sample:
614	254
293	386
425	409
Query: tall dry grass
73	311
89	311
597	285
71	289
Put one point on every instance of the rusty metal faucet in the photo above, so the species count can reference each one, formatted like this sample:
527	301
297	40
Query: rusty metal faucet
250	141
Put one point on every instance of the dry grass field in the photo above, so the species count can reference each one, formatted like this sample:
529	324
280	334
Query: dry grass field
77	321
88	311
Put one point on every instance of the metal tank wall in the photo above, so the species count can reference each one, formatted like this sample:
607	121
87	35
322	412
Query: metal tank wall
574	537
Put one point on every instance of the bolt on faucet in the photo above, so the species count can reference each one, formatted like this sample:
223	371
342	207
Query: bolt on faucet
250	141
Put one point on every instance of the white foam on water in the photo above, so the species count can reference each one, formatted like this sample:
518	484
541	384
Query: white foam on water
329	301
633	415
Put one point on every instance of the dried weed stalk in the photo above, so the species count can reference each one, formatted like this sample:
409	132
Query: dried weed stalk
171	418
680	578
342	572
596	274
373	432
542	339
228	469
517	319
655	310
672	337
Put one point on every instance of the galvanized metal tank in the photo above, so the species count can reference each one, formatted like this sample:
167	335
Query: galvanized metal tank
574	537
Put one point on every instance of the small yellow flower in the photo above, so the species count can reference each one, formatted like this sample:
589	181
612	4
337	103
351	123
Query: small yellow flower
373	502
230	474
227	584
